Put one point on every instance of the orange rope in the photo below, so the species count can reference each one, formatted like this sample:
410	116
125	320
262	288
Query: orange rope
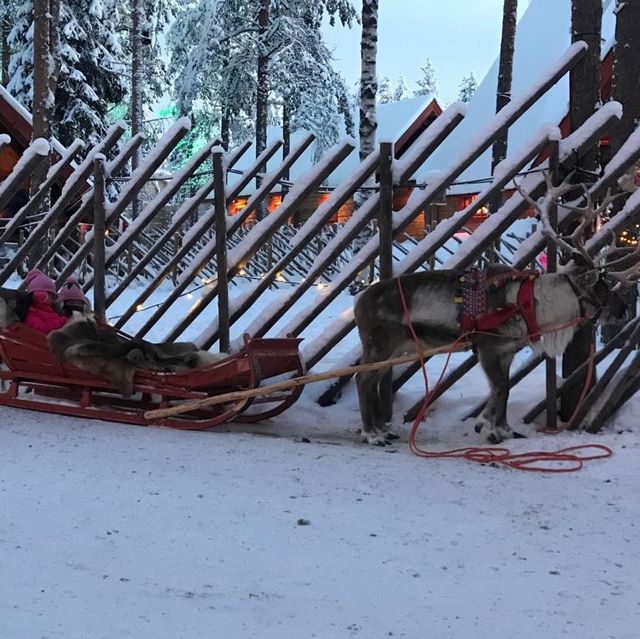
565	460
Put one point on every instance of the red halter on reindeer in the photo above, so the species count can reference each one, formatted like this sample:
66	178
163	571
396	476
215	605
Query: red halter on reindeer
499	310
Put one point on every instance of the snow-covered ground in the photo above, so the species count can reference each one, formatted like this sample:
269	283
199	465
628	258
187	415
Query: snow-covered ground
292	528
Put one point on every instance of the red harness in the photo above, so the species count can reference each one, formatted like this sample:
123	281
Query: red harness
475	317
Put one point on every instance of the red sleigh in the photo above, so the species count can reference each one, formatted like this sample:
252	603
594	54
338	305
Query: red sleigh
37	380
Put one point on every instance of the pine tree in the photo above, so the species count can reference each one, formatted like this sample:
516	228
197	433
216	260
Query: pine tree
402	91
467	88
368	114
385	94
216	47
8	15
90	73
427	85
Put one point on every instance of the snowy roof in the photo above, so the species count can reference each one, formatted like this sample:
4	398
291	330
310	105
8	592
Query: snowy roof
394	118
21	119
542	36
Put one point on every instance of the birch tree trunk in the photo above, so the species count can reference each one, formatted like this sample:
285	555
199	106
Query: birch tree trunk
368	119
584	99
368	77
262	93
505	77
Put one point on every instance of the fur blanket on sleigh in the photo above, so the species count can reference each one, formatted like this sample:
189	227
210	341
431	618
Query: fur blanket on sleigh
101	350
106	352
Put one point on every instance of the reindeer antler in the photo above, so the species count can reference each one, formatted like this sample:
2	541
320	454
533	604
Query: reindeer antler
588	214
551	196
628	277
575	243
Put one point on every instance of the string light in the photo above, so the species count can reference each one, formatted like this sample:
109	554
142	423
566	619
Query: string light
189	294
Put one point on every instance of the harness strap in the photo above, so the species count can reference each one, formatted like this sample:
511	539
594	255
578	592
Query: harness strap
525	306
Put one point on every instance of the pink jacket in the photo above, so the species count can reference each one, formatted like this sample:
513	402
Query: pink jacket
42	317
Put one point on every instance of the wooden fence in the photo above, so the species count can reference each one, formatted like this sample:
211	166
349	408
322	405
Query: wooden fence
210	244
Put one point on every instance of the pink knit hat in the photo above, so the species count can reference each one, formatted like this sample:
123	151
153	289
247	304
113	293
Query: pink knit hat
38	281
71	292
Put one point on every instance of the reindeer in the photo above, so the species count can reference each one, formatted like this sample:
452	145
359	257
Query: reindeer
517	309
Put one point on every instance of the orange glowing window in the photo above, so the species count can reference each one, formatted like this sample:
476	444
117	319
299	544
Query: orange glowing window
467	200
238	205
274	202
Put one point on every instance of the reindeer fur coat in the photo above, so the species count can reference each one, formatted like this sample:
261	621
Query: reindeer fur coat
561	301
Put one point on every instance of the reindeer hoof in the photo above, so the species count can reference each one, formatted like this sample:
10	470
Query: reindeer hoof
499	433
480	424
374	437
392	436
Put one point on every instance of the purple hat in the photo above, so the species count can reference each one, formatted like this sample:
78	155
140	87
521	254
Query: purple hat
71	292
38	281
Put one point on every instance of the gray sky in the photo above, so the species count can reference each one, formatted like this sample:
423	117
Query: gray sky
458	35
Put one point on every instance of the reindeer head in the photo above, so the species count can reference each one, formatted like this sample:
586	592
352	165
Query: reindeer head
602	288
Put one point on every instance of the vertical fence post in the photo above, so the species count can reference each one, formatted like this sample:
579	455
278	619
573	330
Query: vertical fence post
385	231
99	203
221	247
552	267
385	226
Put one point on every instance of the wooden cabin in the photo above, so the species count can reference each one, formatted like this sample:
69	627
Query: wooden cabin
15	121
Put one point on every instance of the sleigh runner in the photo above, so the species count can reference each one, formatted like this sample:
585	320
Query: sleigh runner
35	379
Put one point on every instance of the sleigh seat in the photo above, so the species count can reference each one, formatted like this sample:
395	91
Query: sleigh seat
36	380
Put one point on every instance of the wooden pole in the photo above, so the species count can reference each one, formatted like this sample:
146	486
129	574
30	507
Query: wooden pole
385	211
552	267
219	180
99	164
300	381
385	231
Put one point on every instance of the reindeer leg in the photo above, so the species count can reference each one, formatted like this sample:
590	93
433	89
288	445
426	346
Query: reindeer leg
374	427
496	362
373	423
385	393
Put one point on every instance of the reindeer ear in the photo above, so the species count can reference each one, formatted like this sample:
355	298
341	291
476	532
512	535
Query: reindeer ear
588	279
